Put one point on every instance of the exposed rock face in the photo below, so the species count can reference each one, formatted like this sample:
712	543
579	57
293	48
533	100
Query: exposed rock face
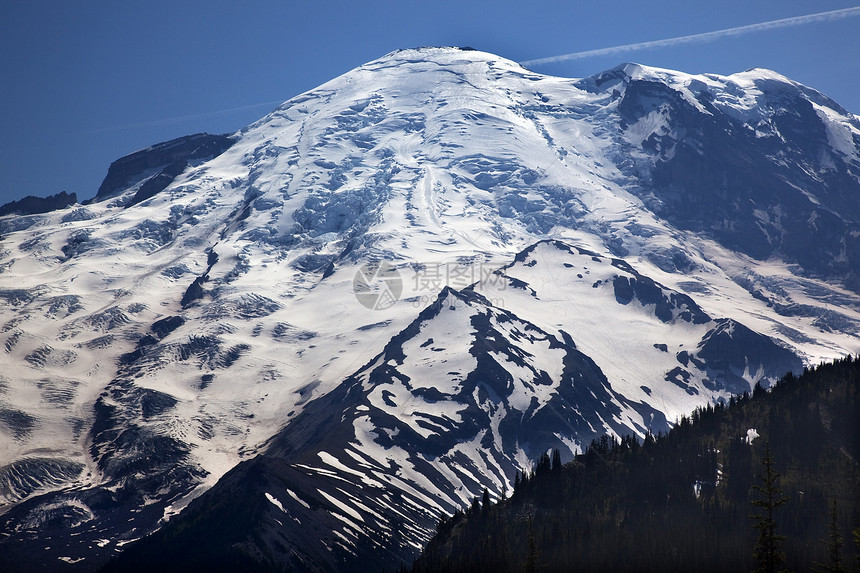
31	205
727	172
157	166
358	478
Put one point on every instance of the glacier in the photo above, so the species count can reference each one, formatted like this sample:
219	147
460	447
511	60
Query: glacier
572	257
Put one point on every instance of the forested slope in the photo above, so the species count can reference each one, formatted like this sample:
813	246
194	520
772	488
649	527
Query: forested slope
683	501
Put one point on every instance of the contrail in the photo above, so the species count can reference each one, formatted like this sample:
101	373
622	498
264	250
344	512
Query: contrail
704	37
183	118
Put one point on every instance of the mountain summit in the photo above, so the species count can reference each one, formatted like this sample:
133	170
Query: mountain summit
397	290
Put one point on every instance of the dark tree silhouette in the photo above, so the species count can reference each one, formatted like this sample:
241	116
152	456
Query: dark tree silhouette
834	545
679	501
532	558
768	547
855	533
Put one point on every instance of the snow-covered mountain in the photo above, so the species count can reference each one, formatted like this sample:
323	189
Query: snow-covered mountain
400	288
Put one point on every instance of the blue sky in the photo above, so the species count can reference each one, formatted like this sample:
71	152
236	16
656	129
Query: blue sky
86	82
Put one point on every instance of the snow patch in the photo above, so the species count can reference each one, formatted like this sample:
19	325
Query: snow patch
298	499
752	434
275	502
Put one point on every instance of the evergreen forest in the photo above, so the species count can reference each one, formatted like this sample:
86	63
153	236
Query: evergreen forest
768	481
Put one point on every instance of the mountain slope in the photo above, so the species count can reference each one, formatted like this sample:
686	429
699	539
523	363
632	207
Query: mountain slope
166	331
681	502
457	402
698	144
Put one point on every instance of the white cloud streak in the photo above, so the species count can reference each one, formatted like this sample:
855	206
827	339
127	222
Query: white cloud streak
185	118
830	16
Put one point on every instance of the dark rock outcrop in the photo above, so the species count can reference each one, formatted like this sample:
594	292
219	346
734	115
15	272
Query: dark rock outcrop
768	185
32	205
159	165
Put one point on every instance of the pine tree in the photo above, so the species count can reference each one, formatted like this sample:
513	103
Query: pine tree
855	533
556	462
767	550
532	558
475	510
543	466
834	545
